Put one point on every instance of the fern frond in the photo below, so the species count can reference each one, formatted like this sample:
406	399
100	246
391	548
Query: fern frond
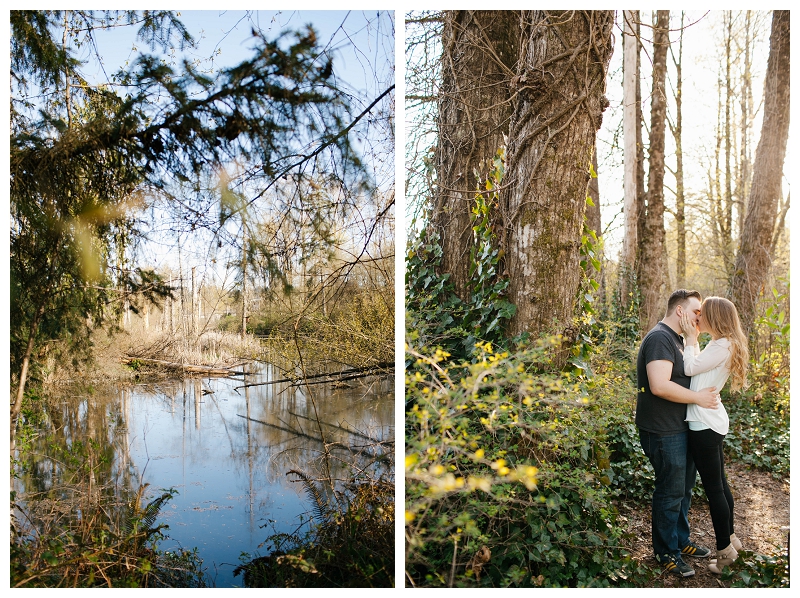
321	507
151	511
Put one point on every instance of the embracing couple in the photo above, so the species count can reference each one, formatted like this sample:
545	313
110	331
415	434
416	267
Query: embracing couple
682	422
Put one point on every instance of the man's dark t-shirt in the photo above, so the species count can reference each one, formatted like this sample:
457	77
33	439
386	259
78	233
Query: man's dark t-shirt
653	413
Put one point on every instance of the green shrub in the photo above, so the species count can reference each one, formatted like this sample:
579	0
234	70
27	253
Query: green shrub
759	432
769	343
502	453
435	315
230	323
753	570
105	546
351	543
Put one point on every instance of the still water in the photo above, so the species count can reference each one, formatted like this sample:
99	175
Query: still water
227	449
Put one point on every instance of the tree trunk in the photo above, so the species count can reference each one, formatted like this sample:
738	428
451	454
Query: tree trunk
651	266
244	280
783	210
754	258
630	125
727	247
16	408
680	199
558	109
479	54
743	183
641	189
194	309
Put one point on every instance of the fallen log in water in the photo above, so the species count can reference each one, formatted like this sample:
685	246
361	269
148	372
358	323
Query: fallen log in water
367	450
338	427
330	376
207	370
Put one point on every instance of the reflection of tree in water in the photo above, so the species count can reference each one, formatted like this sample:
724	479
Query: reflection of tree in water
281	417
80	470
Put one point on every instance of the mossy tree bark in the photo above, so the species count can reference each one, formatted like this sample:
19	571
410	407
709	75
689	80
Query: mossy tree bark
651	266
755	256
479	54
558	105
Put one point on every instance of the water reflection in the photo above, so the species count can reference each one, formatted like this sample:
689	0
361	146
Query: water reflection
226	448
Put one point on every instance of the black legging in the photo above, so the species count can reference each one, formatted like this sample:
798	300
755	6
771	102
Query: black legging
706	449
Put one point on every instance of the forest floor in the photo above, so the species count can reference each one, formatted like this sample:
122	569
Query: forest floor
761	508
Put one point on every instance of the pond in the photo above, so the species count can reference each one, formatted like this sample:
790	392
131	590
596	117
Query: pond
226	448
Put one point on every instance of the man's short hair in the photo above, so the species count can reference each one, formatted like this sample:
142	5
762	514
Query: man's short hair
681	297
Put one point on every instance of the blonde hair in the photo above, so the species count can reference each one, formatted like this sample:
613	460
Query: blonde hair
722	319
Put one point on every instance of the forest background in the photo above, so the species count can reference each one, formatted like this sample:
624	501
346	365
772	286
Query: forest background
529	286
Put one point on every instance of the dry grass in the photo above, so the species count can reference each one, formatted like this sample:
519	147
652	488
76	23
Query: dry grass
213	348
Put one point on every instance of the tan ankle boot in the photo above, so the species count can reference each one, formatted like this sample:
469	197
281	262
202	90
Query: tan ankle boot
736	542
725	558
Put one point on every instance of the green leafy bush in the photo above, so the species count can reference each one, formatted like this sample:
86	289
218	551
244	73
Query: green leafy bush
436	316
769	359
104	546
351	543
502	453
753	570
759	434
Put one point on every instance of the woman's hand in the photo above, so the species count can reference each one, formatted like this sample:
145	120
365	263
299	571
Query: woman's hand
689	329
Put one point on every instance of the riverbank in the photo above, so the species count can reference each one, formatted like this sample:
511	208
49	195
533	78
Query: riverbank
135	356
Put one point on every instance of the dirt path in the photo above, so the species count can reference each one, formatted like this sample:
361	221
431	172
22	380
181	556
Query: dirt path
761	509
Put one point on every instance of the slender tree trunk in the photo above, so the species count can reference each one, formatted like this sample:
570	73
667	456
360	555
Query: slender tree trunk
244	281
641	189
558	109
23	374
630	125
743	186
651	267
479	54
727	227
754	258
194	321
781	226
680	199
715	179
67	76
171	310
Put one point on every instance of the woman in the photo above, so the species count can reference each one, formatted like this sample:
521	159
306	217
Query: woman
725	355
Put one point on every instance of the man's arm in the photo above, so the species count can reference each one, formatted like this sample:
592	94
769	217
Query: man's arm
658	375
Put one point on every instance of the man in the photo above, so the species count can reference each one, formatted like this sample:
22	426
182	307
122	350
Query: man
663	393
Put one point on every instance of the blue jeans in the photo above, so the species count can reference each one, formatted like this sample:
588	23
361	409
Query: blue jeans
672	497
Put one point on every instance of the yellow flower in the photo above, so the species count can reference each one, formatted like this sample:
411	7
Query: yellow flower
479	484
